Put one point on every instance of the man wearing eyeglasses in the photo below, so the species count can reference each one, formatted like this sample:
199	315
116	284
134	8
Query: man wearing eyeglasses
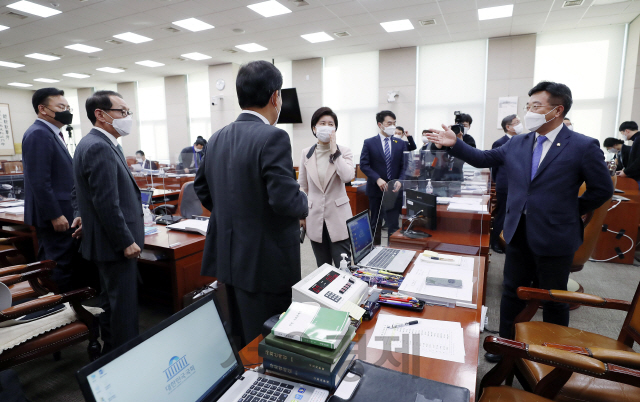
542	227
48	182
109	201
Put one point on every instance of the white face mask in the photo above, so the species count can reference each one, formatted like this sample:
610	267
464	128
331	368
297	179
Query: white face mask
536	120
324	133
122	126
397	136
466	130
139	160
425	139
197	149
389	131
518	128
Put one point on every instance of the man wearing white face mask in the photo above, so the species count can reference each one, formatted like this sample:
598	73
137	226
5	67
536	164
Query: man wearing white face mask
323	170
511	126
382	160
542	225
108	199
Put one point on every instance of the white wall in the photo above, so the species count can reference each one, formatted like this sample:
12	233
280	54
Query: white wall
228	109
307	79
397	72
175	89
630	102
130	143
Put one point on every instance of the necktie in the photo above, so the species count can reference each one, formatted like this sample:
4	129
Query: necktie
121	151
62	138
537	154
387	157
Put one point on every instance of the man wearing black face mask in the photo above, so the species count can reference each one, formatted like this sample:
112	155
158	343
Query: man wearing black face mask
48	182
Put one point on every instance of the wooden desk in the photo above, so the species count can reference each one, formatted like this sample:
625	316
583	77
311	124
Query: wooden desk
460	374
179	268
357	198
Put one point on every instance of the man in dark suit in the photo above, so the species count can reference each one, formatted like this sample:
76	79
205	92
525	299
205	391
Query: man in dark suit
144	162
511	126
190	158
382	160
48	182
629	130
109	202
542	225
248	183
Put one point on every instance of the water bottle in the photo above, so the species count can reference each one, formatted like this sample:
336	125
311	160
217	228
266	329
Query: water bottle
429	189
148	216
344	265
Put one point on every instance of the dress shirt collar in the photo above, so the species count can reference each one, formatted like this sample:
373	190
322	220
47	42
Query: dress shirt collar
51	126
383	137
109	135
264	119
510	136
551	135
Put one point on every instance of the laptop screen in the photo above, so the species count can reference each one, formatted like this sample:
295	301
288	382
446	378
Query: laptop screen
146	196
183	362
360	235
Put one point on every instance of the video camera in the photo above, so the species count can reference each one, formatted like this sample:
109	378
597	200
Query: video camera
458	127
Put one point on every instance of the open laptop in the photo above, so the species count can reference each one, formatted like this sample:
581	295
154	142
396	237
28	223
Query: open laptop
365	254
188	357
146	196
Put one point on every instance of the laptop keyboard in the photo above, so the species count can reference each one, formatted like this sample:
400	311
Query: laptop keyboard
383	258
265	390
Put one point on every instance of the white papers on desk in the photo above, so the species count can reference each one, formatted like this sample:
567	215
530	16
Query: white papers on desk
13	210
443	340
459	207
8	204
460	200
415	283
191	225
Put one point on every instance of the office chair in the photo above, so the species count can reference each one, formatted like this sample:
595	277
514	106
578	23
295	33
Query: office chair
565	365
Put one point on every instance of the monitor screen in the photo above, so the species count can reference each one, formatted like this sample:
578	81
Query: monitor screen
146	197
427	203
290	112
360	235
183	362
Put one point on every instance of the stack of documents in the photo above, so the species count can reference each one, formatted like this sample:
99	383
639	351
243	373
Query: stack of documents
443	340
13	210
460	200
415	283
191	225
467	208
16	203
464	204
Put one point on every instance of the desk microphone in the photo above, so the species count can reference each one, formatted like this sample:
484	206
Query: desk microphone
70	130
412	234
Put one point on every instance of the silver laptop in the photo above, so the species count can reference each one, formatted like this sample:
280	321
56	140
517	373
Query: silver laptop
368	256
188	357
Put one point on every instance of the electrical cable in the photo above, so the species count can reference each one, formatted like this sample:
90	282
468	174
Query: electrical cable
617	255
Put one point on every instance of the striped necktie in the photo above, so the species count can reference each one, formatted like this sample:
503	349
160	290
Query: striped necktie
387	157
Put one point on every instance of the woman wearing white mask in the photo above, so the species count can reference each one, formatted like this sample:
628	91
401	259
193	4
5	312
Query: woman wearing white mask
324	169
190	158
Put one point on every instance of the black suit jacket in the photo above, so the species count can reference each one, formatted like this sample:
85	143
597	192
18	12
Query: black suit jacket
248	183
632	162
624	161
374	165
48	176
498	174
108	199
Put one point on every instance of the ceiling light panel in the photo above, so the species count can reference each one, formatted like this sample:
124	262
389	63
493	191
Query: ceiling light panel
195	56
33	8
193	24
317	37
491	13
40	56
47	80
9	64
133	38
149	63
19	84
251	47
76	75
83	48
396	26
110	70
269	8
2	27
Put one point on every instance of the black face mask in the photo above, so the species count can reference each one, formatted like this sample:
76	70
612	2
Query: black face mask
63	117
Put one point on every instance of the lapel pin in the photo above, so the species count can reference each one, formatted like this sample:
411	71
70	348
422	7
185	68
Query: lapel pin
558	144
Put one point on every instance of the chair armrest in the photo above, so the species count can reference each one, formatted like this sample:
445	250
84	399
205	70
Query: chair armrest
25	276
573	298
565	362
46	302
619	357
17	269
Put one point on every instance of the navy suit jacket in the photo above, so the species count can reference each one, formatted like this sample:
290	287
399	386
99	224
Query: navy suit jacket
48	176
550	200
498	175
373	164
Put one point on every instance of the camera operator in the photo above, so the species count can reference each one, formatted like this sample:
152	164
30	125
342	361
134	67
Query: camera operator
462	127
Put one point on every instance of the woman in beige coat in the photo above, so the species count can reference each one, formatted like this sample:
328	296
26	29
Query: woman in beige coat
324	169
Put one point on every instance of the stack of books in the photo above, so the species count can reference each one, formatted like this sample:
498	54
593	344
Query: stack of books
310	344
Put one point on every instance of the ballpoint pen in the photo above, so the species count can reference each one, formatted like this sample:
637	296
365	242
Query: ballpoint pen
403	324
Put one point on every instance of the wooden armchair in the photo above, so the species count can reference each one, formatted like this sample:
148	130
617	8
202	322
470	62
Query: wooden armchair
52	342
577	387
564	365
16	250
29	280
